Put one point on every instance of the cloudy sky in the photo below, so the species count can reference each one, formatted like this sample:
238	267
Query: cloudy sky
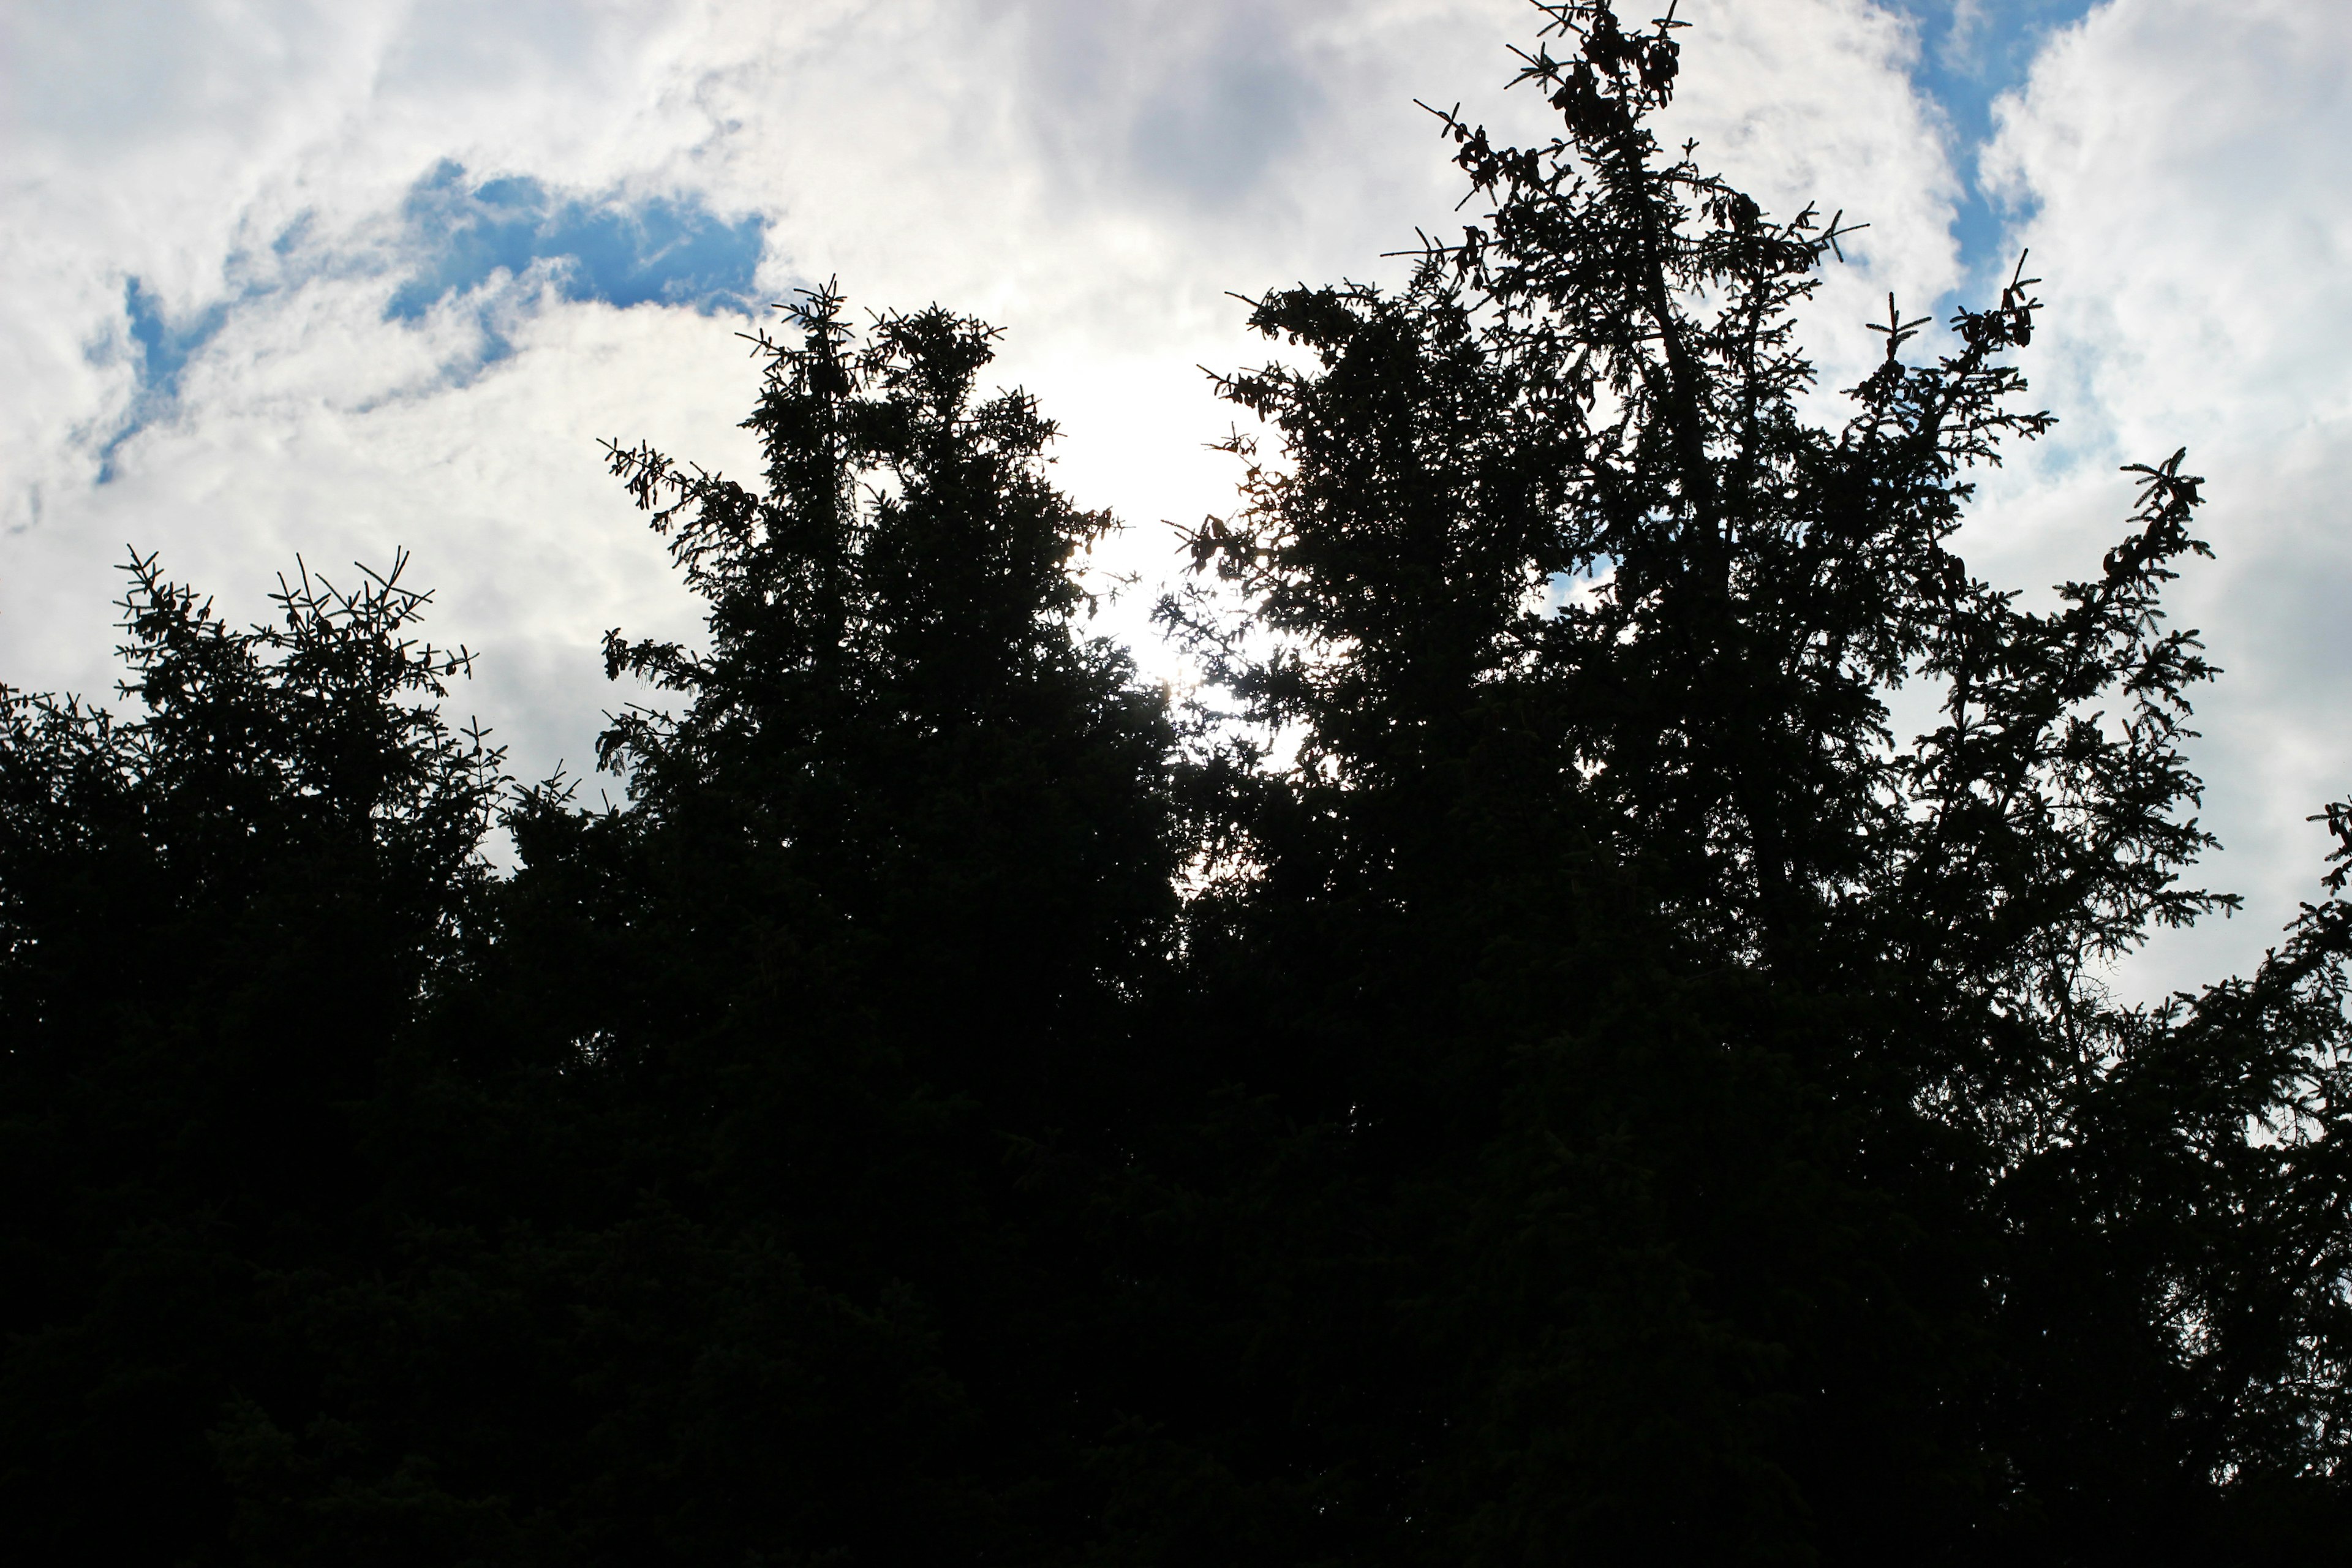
343	277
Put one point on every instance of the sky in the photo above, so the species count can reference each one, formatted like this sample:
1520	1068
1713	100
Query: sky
341	279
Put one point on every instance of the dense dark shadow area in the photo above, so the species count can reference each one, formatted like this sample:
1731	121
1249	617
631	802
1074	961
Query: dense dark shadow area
1527	1068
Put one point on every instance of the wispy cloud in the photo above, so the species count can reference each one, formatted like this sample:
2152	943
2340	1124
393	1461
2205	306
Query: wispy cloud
495	251
163	348
610	246
339	278
1970	55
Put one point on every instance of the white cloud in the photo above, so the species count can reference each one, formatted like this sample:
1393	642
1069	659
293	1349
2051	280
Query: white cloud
1093	176
2194	227
1812	104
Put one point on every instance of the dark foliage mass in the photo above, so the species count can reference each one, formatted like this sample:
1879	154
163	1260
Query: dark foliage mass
1533	1067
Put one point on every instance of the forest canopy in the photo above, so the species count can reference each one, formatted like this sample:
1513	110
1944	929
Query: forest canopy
1528	1062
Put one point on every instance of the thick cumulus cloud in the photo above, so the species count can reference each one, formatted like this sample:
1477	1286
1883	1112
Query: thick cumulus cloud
298	275
2179	162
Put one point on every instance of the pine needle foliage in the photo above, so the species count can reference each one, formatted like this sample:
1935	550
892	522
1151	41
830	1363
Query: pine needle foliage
1620	929
1537	1063
219	915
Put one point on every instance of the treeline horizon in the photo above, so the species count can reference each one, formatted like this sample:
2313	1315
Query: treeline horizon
1497	1075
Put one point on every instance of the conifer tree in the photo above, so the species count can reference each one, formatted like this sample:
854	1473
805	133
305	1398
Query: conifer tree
218	916
849	986
1719	1139
1554	1074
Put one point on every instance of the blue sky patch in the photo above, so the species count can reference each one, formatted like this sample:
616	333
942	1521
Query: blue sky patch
622	250
1970	52
462	237
163	348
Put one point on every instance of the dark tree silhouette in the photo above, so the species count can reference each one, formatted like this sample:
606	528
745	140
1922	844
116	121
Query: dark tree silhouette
893	879
217	915
769	1115
1533	1067
1719	1136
